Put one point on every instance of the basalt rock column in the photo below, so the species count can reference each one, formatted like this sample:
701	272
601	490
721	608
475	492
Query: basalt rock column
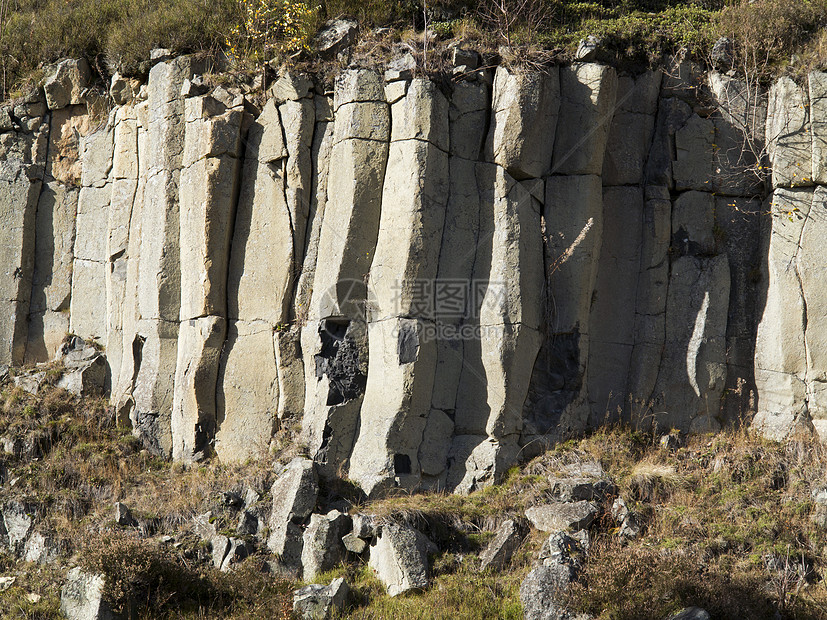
55	233
87	310
260	273
155	342
497	367
468	122
334	339
208	187
402	353
573	212
125	175
19	189
781	347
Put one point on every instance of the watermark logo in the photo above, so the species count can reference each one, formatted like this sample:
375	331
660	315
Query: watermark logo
449	309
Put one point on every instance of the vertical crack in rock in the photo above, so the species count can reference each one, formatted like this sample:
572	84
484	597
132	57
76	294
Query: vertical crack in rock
402	344
158	278
781	363
258	293
208	191
347	240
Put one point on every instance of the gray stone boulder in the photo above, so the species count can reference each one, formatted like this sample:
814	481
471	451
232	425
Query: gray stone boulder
561	562
294	498
66	82
84	367
40	549
82	597
581	488
227	551
336	36
17	523
322	547
628	521
123	516
499	551
319	602
558	516
399	557
123	90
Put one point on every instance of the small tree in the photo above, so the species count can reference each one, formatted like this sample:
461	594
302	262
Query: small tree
271	29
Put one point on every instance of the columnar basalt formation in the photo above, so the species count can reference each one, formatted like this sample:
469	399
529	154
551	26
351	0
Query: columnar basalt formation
436	278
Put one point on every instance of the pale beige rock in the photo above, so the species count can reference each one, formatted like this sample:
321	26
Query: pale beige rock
497	364
260	267
400	559
52	275
87	310
780	347
523	121
396	404
155	349
357	85
19	190
350	227
410	229
66	82
421	115
587	99
67	128
298	120
290	372
208	190
478	461
247	395
320	156
193	409
789	141
817	82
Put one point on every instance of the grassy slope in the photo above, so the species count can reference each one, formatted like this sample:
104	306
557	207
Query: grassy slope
728	526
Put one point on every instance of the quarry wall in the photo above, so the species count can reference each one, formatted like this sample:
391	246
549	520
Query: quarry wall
435	277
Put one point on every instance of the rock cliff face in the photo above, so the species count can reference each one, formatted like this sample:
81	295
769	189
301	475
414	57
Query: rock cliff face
435	278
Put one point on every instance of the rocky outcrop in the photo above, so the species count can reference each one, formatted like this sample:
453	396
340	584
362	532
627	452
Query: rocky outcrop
434	279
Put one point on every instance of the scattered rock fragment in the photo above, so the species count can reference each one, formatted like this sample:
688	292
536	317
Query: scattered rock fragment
82	597
499	551
399	557
581	488
294	498
123	516
336	36
66	83
562	516
320	602
561	561
322	545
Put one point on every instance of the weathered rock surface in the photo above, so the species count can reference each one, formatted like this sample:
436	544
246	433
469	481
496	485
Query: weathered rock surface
319	602
498	553
82	597
558	516
294	498
399	557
